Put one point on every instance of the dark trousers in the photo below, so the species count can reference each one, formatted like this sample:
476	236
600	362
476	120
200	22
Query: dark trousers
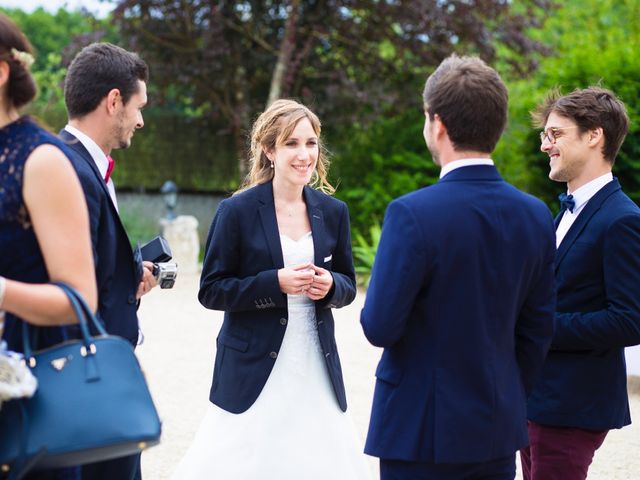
70	473
123	468
500	469
559	453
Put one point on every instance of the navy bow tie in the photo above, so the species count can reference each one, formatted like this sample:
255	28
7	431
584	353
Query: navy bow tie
566	202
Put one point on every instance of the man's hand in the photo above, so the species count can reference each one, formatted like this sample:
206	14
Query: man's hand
321	285
148	280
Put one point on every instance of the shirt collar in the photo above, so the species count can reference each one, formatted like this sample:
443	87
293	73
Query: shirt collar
583	194
99	157
465	162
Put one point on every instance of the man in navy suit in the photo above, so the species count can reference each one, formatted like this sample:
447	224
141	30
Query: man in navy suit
105	91
461	297
582	391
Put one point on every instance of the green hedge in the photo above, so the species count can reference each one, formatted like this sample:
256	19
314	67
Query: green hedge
374	165
188	151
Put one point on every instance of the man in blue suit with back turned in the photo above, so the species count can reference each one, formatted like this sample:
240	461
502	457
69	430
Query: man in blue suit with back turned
461	297
582	391
105	91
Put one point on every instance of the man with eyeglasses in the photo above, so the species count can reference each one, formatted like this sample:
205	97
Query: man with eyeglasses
582	392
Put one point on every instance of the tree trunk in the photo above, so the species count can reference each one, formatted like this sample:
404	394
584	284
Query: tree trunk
285	52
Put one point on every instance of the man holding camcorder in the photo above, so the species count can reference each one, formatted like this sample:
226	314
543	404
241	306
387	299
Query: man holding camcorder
105	92
158	252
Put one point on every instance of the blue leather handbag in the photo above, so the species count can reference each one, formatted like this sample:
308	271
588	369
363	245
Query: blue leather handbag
92	403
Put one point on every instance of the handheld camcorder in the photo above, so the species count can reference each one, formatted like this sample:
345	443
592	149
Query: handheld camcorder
159	252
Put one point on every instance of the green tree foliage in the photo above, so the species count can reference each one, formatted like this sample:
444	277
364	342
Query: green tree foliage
175	144
587	42
56	37
350	60
592	42
380	162
52	33
213	65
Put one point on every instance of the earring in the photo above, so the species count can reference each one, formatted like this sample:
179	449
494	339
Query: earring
272	165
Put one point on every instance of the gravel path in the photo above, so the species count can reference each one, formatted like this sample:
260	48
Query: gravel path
178	353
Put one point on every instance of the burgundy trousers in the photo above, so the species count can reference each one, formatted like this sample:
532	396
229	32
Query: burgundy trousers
559	453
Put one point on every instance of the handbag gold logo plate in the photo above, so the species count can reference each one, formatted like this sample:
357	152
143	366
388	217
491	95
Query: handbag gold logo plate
59	363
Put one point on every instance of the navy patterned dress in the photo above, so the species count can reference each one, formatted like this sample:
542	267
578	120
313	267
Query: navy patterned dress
21	258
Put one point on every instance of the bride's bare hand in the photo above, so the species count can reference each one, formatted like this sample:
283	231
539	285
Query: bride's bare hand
297	279
322	283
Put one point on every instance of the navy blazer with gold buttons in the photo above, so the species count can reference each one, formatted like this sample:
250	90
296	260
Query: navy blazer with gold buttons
240	276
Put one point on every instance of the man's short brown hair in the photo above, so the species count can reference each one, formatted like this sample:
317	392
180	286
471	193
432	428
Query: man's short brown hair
471	101
589	108
97	69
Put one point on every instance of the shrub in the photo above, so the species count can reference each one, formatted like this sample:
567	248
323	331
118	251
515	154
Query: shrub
364	251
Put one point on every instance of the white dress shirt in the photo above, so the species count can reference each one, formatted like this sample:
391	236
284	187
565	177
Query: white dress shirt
465	162
98	156
581	196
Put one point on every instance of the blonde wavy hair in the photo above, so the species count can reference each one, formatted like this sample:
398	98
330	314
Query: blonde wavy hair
272	128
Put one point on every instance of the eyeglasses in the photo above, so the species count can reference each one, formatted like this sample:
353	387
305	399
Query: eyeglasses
551	134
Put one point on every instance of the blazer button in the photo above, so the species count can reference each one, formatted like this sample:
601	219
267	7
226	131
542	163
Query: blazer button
131	299
283	321
273	355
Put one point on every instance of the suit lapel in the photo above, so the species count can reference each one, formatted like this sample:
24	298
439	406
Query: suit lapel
75	144
592	206
316	220
556	221
269	221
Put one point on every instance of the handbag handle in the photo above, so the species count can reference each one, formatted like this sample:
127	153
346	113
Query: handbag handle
82	313
73	294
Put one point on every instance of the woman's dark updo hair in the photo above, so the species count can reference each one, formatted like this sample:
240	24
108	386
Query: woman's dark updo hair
21	86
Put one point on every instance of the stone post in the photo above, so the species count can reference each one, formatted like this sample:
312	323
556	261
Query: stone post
182	235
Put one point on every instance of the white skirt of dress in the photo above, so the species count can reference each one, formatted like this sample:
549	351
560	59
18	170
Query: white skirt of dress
295	430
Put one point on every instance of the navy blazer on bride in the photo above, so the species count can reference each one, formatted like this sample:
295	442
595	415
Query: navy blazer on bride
239	276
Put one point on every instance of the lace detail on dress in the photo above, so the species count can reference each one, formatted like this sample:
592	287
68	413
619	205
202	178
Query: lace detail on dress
301	336
301	341
295	252
17	141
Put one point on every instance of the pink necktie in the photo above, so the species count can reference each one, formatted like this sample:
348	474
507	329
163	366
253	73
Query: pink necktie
109	169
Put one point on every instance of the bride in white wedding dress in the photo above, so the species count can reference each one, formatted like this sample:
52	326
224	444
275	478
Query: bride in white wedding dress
278	259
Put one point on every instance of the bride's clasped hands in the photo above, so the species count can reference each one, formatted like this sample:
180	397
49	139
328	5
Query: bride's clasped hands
305	279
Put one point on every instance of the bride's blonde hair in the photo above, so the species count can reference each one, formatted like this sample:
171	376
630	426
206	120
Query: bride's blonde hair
272	128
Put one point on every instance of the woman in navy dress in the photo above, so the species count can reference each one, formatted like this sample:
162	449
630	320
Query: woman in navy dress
44	224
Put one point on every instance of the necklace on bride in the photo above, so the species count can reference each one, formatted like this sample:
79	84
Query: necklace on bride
289	210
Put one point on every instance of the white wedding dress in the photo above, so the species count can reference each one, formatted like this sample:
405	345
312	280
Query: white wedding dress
295	429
